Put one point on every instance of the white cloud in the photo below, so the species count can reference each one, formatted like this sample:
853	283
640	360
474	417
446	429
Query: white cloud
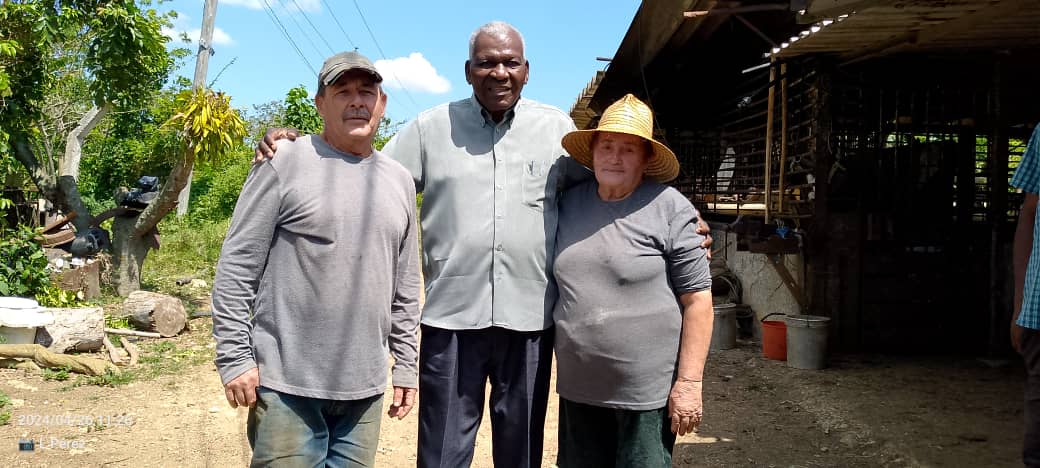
220	37
415	74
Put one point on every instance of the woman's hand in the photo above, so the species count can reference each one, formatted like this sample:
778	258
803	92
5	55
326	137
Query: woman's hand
685	406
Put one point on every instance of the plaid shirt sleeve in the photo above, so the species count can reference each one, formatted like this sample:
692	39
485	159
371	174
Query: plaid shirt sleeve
1027	176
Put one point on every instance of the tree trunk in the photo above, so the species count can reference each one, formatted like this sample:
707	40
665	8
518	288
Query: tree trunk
155	312
74	329
68	172
128	254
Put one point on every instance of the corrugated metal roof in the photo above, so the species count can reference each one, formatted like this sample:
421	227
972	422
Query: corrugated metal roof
921	25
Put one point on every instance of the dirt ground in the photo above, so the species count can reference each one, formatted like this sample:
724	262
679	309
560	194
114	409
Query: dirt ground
864	411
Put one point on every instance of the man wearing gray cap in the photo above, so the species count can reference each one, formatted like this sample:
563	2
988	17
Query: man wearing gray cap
318	285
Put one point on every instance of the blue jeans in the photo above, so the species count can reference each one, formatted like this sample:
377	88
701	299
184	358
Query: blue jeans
288	430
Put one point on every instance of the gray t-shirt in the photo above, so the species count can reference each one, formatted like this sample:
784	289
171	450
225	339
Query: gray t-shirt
620	267
318	279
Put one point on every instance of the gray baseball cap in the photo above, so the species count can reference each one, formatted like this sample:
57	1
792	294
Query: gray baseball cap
344	61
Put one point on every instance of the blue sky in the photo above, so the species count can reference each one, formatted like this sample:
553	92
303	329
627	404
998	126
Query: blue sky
424	41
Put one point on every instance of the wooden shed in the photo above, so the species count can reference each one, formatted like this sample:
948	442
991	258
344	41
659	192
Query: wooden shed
862	148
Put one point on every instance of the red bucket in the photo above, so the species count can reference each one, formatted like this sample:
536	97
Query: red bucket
774	339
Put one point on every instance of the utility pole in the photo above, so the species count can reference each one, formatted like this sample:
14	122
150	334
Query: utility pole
209	14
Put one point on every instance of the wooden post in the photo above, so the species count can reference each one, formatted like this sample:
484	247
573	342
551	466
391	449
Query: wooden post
783	137
770	105
819	260
998	190
209	14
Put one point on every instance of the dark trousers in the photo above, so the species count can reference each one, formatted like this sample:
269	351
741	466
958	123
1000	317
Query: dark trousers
598	437
1031	354
454	368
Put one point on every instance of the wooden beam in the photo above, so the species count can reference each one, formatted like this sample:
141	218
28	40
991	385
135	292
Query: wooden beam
824	9
922	37
777	261
783	136
770	107
738	10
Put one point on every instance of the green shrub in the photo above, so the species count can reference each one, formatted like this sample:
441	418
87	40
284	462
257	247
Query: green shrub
23	266
214	191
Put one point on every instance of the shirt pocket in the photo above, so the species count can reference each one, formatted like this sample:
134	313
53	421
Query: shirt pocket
535	178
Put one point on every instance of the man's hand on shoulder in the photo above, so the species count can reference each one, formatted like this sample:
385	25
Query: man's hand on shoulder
704	230
266	147
404	400
241	391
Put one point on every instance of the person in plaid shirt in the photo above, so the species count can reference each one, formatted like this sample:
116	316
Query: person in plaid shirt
1025	323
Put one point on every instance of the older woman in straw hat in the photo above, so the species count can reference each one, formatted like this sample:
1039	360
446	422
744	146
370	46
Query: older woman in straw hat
633	318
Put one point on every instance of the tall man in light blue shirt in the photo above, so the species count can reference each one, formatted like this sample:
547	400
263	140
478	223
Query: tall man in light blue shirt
1025	324
490	168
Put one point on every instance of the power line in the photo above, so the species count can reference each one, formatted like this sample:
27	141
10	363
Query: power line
314	28
274	18
304	33
334	18
380	49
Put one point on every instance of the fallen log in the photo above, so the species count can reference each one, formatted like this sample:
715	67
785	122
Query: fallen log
73	329
155	312
125	332
45	358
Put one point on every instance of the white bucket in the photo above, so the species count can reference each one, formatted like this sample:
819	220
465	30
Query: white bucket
724	327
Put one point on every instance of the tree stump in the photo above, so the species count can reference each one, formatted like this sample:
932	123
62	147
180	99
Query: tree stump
74	329
155	312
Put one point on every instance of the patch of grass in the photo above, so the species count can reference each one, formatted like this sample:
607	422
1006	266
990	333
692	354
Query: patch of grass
60	374
110	379
117	322
165	358
189	249
5	414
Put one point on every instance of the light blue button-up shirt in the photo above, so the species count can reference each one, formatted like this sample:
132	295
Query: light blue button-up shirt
1027	178
489	210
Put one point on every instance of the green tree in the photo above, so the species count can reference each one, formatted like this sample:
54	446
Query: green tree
117	50
117	54
300	112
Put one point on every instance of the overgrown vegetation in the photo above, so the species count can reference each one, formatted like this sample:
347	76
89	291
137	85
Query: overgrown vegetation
5	412
23	266
190	249
23	270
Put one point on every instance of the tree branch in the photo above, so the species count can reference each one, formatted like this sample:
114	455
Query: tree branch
43	179
69	166
167	198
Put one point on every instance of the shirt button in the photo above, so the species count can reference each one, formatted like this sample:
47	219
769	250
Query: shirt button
498	186
499	248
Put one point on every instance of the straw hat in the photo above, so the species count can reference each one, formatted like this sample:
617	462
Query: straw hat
626	115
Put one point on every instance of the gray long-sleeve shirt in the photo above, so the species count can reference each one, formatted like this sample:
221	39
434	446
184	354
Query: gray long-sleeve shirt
489	210
318	277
